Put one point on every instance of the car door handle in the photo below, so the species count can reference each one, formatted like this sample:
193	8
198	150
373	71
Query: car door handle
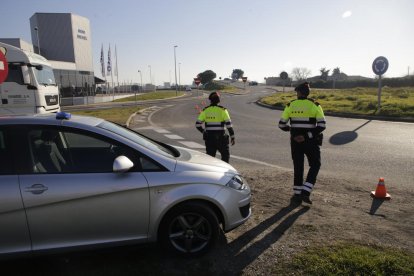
36	189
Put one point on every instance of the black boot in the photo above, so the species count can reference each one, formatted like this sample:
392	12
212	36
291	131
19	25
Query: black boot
306	199
296	199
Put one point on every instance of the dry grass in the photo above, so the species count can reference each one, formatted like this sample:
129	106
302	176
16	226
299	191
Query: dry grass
396	102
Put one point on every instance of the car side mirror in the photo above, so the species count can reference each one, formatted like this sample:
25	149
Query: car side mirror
122	164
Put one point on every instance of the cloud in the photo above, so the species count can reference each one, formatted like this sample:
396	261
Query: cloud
346	14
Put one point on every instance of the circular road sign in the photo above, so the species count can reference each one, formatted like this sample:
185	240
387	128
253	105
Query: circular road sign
197	81
283	75
380	65
4	68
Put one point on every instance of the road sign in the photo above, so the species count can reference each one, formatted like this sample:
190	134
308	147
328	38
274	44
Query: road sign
197	81
244	79
4	67
380	65
283	75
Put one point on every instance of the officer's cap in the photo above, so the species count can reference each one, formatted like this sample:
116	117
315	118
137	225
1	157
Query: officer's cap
303	88
214	97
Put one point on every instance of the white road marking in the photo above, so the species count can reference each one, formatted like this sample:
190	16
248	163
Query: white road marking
256	161
195	145
161	130
174	137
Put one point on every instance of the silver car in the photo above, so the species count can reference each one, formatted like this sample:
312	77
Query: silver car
71	181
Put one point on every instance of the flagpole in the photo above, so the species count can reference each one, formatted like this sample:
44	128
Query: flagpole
103	68
109	70
116	68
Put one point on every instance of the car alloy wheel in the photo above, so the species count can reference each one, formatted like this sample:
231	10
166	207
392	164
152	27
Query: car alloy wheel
191	228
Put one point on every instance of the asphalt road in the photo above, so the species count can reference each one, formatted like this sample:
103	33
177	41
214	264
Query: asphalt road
353	148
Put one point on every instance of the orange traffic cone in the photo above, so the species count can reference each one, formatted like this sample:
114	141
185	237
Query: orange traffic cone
197	108
381	192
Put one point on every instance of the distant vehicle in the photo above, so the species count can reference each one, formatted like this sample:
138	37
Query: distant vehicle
252	83
75	181
188	89
30	86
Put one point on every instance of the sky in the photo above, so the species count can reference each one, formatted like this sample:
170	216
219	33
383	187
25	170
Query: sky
260	37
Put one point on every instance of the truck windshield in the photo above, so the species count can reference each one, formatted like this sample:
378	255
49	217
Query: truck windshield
45	75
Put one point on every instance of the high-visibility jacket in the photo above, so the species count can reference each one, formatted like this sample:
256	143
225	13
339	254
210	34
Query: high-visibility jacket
215	118
306	118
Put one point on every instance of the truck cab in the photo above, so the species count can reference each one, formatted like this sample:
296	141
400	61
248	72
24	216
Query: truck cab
30	86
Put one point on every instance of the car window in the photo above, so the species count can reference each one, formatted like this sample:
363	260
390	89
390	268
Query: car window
149	165
67	151
6	164
75	140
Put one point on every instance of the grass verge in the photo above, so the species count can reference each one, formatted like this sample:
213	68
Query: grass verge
152	96
348	259
395	102
117	115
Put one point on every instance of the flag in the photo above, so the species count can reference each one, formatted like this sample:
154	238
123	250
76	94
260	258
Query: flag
116	63
102	62
109	66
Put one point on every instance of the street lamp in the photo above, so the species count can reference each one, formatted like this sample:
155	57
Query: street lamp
175	69
140	74
179	75
38	40
149	66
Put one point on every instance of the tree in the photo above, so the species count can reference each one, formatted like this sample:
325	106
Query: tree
206	76
300	73
324	73
237	74
336	73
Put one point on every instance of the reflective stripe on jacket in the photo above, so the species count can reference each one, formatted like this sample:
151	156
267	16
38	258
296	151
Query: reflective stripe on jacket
215	118
305	115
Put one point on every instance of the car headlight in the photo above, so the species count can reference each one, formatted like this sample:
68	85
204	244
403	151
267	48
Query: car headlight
236	182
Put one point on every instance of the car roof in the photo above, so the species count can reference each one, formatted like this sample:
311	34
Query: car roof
49	119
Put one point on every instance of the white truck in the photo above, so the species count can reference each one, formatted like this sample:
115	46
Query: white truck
30	85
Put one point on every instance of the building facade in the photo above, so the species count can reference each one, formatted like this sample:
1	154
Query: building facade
65	40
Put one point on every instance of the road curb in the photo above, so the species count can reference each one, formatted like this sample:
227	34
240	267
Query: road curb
348	115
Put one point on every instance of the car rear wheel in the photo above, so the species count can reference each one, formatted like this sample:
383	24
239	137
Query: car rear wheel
191	228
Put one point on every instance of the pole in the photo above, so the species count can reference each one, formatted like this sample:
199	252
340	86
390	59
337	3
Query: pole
379	93
179	76
116	68
149	66
140	74
175	69
139	71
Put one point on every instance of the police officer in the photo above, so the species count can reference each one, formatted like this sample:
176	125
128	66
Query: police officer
216	118
307	122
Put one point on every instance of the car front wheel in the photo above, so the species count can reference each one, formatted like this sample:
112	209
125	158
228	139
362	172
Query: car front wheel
191	228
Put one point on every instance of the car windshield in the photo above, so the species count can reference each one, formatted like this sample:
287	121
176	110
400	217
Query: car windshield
136	138
44	75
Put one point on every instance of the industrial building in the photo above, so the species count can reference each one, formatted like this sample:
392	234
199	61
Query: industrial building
65	40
